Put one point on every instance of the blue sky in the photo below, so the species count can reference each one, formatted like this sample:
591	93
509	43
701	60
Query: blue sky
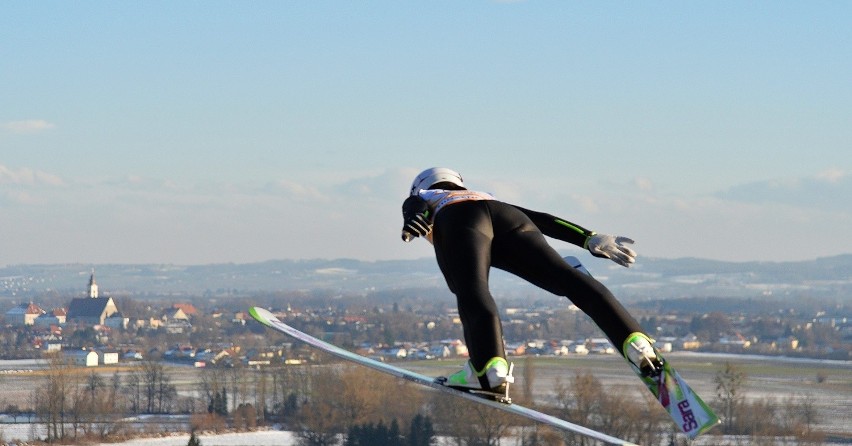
208	132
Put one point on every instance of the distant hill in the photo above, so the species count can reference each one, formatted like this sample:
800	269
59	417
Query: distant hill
651	278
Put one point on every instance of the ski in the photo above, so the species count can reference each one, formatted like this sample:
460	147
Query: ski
268	319
689	412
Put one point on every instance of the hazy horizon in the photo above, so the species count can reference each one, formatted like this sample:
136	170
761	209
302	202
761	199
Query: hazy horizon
187	133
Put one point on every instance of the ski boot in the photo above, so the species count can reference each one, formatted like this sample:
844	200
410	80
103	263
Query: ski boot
491	382
640	353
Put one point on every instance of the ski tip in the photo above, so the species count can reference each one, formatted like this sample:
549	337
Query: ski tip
576	264
573	261
261	315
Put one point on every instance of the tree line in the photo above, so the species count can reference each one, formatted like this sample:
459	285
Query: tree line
346	405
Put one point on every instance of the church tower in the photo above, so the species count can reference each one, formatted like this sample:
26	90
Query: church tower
93	287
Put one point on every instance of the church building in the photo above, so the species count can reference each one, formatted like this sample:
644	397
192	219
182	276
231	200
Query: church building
91	310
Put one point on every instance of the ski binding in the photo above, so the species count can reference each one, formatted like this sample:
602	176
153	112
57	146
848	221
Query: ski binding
501	396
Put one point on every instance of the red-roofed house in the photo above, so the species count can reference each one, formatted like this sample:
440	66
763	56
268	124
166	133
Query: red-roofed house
24	314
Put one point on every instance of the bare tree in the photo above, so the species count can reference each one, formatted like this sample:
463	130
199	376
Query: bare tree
488	425
80	414
261	394
729	382
579	402
52	400
527	381
624	412
241	385
802	414
322	417
759	420
294	383
61	383
211	383
342	396
133	390
114	391
94	383
245	417
468	423
450	417
157	390
352	395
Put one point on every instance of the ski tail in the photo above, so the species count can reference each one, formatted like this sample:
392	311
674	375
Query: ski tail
688	411
576	264
262	318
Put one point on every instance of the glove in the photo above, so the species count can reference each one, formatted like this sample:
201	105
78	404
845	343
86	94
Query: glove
612	247
416	226
415	216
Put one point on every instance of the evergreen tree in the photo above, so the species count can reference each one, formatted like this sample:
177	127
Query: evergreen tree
394	435
421	432
380	433
353	436
193	440
374	434
219	404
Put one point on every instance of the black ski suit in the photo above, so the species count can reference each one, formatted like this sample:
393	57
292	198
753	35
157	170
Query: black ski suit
471	236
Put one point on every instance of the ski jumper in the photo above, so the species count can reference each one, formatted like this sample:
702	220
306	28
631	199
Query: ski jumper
472	231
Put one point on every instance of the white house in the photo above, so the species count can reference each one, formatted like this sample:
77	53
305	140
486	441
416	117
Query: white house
601	346
578	349
84	358
108	358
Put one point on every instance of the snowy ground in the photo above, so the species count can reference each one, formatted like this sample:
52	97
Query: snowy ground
260	438
279	438
282	438
23	431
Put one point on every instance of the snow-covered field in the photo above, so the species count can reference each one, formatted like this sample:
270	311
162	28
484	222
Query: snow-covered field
279	438
259	438
11	433
283	438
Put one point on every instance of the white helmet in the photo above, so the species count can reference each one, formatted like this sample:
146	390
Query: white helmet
435	175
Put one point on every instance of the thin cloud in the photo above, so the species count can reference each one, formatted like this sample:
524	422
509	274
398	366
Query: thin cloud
828	190
296	191
391	184
20	197
29	177
832	175
27	126
666	225
644	184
